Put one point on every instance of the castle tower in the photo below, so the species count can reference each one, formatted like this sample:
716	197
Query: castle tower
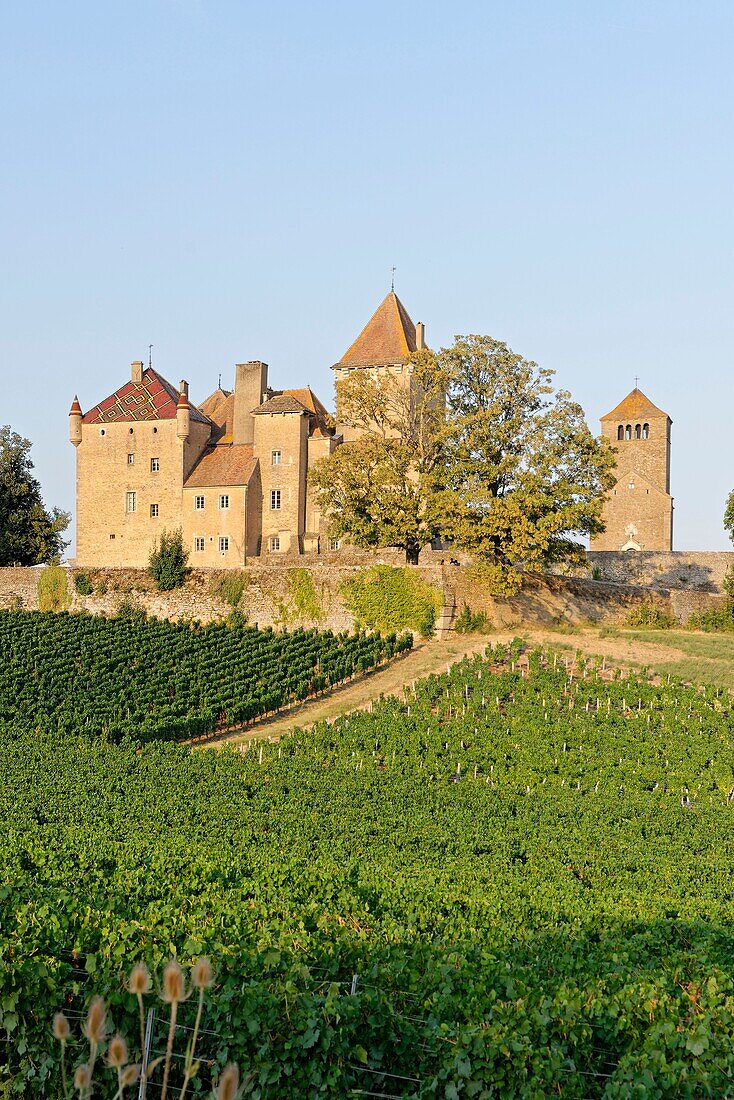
639	511
384	346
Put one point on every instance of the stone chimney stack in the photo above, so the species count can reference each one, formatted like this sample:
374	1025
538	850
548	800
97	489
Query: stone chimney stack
136	369
75	422
420	336
251	382
183	412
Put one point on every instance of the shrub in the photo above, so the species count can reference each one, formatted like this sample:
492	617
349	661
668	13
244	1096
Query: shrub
729	582
53	593
83	584
167	564
129	608
469	623
303	596
230	588
386	598
596	573
649	614
716	619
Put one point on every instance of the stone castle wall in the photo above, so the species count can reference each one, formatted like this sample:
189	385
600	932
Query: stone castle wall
268	596
701	571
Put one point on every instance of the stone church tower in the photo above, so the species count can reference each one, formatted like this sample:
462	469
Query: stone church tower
639	511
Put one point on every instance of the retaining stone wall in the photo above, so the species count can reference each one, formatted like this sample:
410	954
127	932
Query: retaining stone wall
702	571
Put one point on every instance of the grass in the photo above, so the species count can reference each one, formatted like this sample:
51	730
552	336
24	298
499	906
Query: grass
708	658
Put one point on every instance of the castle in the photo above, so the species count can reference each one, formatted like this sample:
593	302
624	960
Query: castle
231	473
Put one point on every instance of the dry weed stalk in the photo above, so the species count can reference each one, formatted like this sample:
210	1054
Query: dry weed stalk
117	1058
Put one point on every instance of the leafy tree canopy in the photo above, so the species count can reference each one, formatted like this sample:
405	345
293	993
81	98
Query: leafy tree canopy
480	450
29	533
522	475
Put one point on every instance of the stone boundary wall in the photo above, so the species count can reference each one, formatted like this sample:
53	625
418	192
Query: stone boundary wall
701	571
267	600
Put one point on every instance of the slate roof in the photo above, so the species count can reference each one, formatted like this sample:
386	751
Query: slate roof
635	406
154	398
388	337
224	464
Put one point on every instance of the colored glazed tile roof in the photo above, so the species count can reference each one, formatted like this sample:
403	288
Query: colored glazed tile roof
388	337
153	398
635	406
224	464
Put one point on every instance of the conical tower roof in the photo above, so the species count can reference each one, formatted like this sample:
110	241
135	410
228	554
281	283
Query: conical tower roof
388	337
635	406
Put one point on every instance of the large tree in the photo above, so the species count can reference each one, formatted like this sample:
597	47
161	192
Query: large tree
379	490
29	534
522	476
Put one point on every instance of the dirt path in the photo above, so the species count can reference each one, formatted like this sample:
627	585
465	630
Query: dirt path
422	661
434	657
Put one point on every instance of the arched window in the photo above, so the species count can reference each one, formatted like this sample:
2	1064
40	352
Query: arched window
620	432
638	431
628	432
645	431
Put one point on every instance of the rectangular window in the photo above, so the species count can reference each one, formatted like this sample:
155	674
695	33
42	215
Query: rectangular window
131	460
275	458
112	536
224	500
333	544
131	503
223	544
154	511
198	544
274	543
275	500
155	465
199	504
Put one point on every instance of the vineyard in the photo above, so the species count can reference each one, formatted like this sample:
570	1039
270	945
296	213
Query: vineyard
513	881
161	680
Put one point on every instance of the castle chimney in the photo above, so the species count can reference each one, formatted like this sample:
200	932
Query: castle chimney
251	382
75	422
183	412
137	370
420	336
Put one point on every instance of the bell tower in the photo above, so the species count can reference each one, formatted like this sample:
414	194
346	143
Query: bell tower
638	513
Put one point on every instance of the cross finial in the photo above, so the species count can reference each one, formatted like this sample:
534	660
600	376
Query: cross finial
392	281
637	379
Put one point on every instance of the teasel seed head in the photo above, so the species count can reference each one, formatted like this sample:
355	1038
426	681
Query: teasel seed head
173	983
117	1052
82	1077
61	1027
130	1074
95	1024
139	980
228	1082
202	975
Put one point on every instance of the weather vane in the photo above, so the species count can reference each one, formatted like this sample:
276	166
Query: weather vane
392	281
637	379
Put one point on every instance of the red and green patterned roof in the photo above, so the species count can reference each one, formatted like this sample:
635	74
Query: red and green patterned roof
153	398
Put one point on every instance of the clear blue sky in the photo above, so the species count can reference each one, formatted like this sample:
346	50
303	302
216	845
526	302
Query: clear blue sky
234	180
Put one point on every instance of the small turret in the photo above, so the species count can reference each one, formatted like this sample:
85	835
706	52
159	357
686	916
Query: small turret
183	412
75	422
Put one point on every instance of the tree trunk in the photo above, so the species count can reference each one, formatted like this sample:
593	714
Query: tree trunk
411	554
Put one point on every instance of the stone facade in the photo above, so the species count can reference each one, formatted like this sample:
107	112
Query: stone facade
638	513
232	474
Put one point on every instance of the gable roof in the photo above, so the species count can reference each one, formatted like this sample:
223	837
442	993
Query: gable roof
153	398
232	464
280	403
635	406
219	408
388	336
321	419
